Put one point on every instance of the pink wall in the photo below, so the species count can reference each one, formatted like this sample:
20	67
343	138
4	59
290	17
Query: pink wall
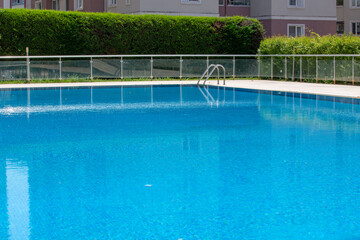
94	6
279	27
1	3
71	5
234	11
46	4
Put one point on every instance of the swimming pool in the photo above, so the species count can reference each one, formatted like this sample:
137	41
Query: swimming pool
178	162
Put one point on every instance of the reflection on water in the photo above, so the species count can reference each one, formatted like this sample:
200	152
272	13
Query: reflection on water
17	191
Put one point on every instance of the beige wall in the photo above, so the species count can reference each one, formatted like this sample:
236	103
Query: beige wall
175	7
313	8
278	9
170	7
260	8
122	7
348	15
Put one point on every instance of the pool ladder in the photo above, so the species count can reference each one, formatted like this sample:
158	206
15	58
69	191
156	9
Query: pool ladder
210	70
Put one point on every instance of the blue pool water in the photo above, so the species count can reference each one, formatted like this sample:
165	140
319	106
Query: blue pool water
174	162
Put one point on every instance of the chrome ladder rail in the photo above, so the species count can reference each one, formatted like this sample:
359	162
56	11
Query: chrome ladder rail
213	67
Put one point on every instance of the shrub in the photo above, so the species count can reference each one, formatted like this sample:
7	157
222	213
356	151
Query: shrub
58	33
315	44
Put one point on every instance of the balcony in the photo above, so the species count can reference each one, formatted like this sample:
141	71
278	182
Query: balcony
235	2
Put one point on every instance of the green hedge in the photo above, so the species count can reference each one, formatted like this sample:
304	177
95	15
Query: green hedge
54	32
346	44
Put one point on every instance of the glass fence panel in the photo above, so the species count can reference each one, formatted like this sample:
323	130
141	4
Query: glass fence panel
227	63
13	70
194	67
279	67
293	68
166	68
44	70
309	69
246	67
357	69
326	68
265	67
107	68
343	69
75	69
136	68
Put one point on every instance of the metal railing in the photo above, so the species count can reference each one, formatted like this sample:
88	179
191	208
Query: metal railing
210	70
314	68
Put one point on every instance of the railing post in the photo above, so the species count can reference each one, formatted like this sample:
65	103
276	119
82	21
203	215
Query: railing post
181	66
300	68
151	68
293	69
234	65
121	69
353	70
285	68
207	65
272	68
28	65
60	69
334	70
91	69
259	66
317	69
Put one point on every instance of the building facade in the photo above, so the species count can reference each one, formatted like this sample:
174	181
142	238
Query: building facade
279	17
348	17
70	5
15	3
286	17
168	7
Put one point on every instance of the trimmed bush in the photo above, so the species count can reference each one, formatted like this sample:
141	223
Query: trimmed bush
61	33
346	44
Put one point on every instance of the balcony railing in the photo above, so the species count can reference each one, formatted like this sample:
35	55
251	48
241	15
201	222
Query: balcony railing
238	2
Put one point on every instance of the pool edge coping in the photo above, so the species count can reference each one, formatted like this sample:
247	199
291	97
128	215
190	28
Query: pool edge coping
276	86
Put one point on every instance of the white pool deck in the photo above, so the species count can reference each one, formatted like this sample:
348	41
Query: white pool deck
281	86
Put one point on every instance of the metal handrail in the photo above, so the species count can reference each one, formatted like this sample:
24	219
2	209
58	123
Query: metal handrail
213	67
178	55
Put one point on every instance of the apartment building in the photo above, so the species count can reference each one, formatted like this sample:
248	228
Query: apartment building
70	5
348	17
279	17
286	17
15	3
169	7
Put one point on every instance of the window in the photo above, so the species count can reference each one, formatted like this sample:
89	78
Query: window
296	30
17	2
55	5
355	3
79	4
238	2
191	1
355	28
221	2
297	3
112	2
340	27
127	2
339	3
38	5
